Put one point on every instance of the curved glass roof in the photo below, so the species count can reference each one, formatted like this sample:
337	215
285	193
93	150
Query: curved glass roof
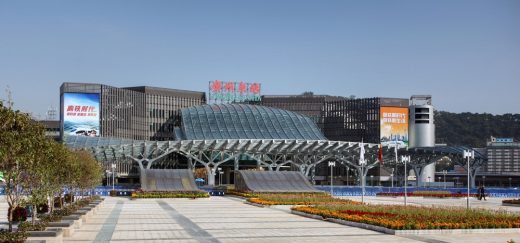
241	121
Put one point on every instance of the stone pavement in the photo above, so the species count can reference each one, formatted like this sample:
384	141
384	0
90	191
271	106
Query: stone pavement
227	219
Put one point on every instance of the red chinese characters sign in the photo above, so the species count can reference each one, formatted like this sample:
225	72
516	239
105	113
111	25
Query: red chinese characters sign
81	110
233	91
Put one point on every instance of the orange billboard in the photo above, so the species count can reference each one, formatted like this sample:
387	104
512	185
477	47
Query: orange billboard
394	125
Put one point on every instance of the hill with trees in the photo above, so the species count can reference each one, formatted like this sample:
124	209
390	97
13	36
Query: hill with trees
474	129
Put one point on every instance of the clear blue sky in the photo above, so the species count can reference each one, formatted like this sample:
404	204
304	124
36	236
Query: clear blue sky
464	53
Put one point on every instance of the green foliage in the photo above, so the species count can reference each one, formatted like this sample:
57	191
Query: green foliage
179	194
26	226
474	129
13	237
49	218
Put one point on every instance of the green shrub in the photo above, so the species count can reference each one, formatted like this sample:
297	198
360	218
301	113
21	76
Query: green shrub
49	218
26	226
13	237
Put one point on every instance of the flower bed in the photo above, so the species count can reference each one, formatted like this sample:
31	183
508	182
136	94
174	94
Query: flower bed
415	218
167	194
512	201
296	199
438	194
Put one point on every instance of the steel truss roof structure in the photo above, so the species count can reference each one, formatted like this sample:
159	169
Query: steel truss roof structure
270	153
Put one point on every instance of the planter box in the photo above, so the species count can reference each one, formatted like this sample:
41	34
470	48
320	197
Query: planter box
91	209
82	216
510	205
422	232
256	204
76	219
307	215
49	236
66	225
407	232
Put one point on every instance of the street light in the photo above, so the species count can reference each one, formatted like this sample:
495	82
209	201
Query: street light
108	176
392	177
347	175
510	181
428	181
483	181
405	159
331	165
220	176
444	172
372	180
469	154
113	175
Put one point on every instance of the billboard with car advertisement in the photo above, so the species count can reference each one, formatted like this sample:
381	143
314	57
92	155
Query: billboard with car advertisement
81	114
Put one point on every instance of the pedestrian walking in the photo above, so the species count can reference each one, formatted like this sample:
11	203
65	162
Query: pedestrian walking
483	193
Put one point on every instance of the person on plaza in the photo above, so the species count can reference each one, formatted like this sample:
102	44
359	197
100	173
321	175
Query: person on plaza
483	192
479	192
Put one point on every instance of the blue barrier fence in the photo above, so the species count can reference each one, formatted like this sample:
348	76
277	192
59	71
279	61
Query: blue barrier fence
372	191
338	190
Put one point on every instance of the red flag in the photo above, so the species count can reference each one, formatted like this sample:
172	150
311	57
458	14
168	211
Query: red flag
380	154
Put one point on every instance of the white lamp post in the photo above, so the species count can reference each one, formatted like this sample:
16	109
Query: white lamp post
347	175
113	175
469	154
372	180
219	176
484	181
331	165
405	159
444	172
108	176
392	177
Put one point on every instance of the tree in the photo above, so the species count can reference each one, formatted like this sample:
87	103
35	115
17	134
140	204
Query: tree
91	171
20	139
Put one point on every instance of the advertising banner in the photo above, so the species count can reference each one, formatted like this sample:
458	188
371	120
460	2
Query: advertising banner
81	114
394	125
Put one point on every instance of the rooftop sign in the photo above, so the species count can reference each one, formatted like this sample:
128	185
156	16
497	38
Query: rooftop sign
230	91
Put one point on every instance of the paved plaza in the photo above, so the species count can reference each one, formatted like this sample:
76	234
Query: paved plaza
228	219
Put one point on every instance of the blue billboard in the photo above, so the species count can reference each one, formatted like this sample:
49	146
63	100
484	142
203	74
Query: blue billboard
81	114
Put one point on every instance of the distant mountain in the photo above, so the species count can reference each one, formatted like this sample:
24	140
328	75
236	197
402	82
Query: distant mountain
474	129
